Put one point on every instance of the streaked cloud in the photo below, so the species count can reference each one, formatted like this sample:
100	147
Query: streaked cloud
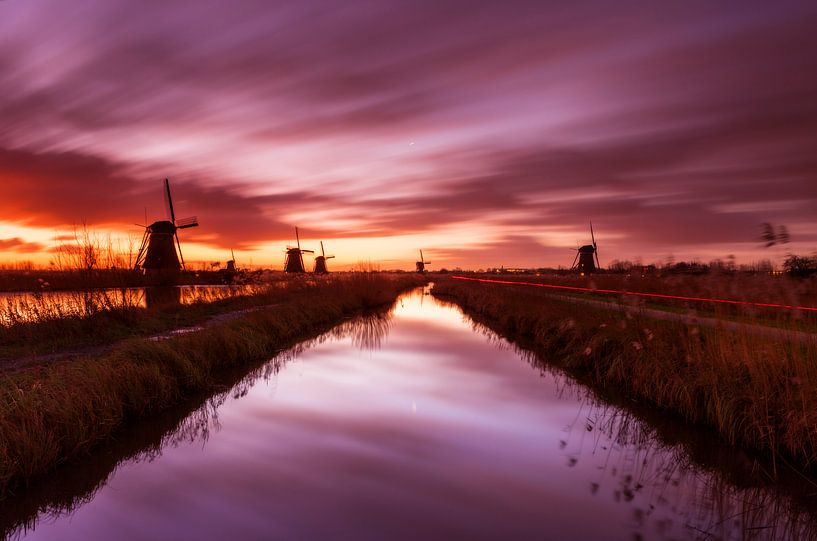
677	128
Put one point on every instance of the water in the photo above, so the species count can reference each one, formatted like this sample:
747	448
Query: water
408	425
19	307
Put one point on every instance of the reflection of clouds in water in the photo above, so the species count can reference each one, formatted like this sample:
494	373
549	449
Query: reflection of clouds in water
669	492
679	480
367	332
362	434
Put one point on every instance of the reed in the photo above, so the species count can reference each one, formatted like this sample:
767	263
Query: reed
755	390
53	413
739	286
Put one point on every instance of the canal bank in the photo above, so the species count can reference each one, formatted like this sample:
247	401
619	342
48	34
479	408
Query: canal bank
418	423
753	390
57	412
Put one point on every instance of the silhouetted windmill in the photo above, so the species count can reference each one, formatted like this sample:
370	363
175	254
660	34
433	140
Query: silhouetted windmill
320	262
295	256
231	262
584	261
157	255
421	265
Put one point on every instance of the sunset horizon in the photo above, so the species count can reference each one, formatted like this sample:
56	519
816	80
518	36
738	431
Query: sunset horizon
488	137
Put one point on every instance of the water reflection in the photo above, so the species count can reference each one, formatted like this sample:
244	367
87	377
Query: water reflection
75	485
24	307
677	479
408	424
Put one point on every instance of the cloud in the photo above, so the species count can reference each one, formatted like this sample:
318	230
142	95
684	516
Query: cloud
17	244
63	189
673	128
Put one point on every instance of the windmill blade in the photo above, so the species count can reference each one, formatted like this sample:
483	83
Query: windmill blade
573	266
179	246
598	265
308	251
322	253
232	254
184	223
329	257
592	236
297	238
169	201
421	257
140	256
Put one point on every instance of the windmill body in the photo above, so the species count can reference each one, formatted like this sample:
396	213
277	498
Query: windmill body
421	265
158	257
586	259
231	263
230	272
295	256
320	262
587	256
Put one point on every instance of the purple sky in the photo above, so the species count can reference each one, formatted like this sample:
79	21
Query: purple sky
484	134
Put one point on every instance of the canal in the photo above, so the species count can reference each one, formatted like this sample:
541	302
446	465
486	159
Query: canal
414	423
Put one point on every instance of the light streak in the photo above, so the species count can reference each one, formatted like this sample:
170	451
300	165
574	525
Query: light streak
641	294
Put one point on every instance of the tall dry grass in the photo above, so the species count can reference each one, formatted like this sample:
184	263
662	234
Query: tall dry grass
738	286
755	390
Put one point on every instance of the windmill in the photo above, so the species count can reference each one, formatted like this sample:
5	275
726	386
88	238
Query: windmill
229	273
421	265
587	256
320	262
157	255
295	256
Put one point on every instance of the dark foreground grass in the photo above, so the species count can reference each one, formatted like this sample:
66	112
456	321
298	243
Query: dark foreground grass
757	391
53	413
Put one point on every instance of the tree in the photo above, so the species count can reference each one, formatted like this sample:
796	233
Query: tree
800	265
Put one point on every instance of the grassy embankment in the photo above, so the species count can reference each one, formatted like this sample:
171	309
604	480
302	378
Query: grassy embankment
740	286
757	391
52	413
42	324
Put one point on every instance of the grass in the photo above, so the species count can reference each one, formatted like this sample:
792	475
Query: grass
46	323
53	413
757	391
742	286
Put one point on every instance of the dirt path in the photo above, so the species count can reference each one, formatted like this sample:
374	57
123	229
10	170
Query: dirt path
22	362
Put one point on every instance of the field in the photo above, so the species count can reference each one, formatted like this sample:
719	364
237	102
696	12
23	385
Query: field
743	287
756	390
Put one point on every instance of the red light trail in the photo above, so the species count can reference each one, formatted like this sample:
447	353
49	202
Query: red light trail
640	294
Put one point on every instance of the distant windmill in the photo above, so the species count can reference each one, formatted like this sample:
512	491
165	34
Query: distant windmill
320	262
231	262
295	256
421	265
587	256
157	255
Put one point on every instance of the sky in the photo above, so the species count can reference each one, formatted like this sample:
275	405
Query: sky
485	133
